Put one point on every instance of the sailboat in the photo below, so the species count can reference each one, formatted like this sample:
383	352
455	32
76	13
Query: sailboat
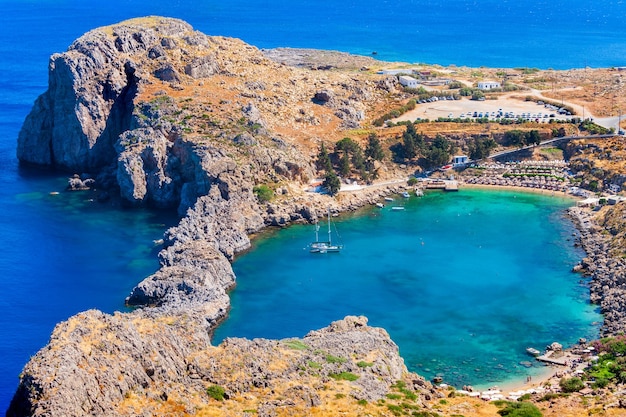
324	246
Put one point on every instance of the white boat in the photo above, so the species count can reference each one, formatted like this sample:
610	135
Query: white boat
533	351
388	199
380	205
405	194
397	208
419	192
324	246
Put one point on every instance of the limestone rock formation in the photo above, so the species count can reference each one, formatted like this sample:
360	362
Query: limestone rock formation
124	105
129	365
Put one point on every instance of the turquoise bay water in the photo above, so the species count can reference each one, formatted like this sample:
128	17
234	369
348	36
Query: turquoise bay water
463	283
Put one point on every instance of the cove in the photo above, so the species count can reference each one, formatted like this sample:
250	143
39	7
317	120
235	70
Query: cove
463	282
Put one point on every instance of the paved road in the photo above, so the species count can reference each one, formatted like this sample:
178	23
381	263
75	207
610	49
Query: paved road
549	141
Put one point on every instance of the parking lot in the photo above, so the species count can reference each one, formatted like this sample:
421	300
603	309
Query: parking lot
465	108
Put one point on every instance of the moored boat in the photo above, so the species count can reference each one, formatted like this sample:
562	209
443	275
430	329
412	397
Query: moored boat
533	351
324	246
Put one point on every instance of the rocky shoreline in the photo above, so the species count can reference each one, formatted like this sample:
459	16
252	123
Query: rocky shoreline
608	273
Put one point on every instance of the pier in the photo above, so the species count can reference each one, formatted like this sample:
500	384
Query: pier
547	358
446	185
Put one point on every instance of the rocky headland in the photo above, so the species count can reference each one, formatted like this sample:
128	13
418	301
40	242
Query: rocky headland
165	116
154	113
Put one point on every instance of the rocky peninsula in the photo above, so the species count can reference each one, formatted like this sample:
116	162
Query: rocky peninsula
154	113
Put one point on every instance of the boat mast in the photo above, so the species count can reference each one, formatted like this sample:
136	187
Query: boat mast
317	228
329	241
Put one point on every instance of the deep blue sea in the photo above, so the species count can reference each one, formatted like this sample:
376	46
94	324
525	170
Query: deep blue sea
64	253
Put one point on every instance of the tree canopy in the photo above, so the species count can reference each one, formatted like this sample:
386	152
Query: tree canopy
480	148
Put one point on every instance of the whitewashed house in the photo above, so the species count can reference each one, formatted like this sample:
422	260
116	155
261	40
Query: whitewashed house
408	82
488	85
459	160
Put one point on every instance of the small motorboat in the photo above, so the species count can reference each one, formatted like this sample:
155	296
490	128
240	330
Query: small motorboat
388	199
397	208
532	351
405	194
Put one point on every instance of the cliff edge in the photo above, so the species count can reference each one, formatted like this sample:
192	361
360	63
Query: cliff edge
133	365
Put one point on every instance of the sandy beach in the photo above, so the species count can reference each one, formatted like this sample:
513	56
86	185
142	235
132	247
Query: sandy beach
551	193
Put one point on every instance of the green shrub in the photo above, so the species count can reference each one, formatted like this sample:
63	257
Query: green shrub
517	409
296	345
549	396
395	409
216	392
571	384
362	402
314	365
263	193
340	396
394	396
344	376
335	359
412	181
363	364
409	395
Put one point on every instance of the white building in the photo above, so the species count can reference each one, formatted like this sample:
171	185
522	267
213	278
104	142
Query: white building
409	82
488	85
459	160
396	71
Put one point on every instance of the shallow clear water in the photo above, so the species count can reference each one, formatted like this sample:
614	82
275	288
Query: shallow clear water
463	283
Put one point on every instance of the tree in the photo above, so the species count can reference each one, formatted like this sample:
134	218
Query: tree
533	137
352	152
323	159
466	91
515	137
480	148
347	145
374	149
344	165
331	183
410	146
477	95
439	151
358	160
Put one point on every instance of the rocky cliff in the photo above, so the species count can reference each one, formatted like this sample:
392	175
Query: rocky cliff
137	365
165	113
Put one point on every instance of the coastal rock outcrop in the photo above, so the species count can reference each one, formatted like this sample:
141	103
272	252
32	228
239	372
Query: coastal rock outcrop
607	272
129	365
134	105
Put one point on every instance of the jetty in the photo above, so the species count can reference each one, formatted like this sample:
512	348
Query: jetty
446	185
549	358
